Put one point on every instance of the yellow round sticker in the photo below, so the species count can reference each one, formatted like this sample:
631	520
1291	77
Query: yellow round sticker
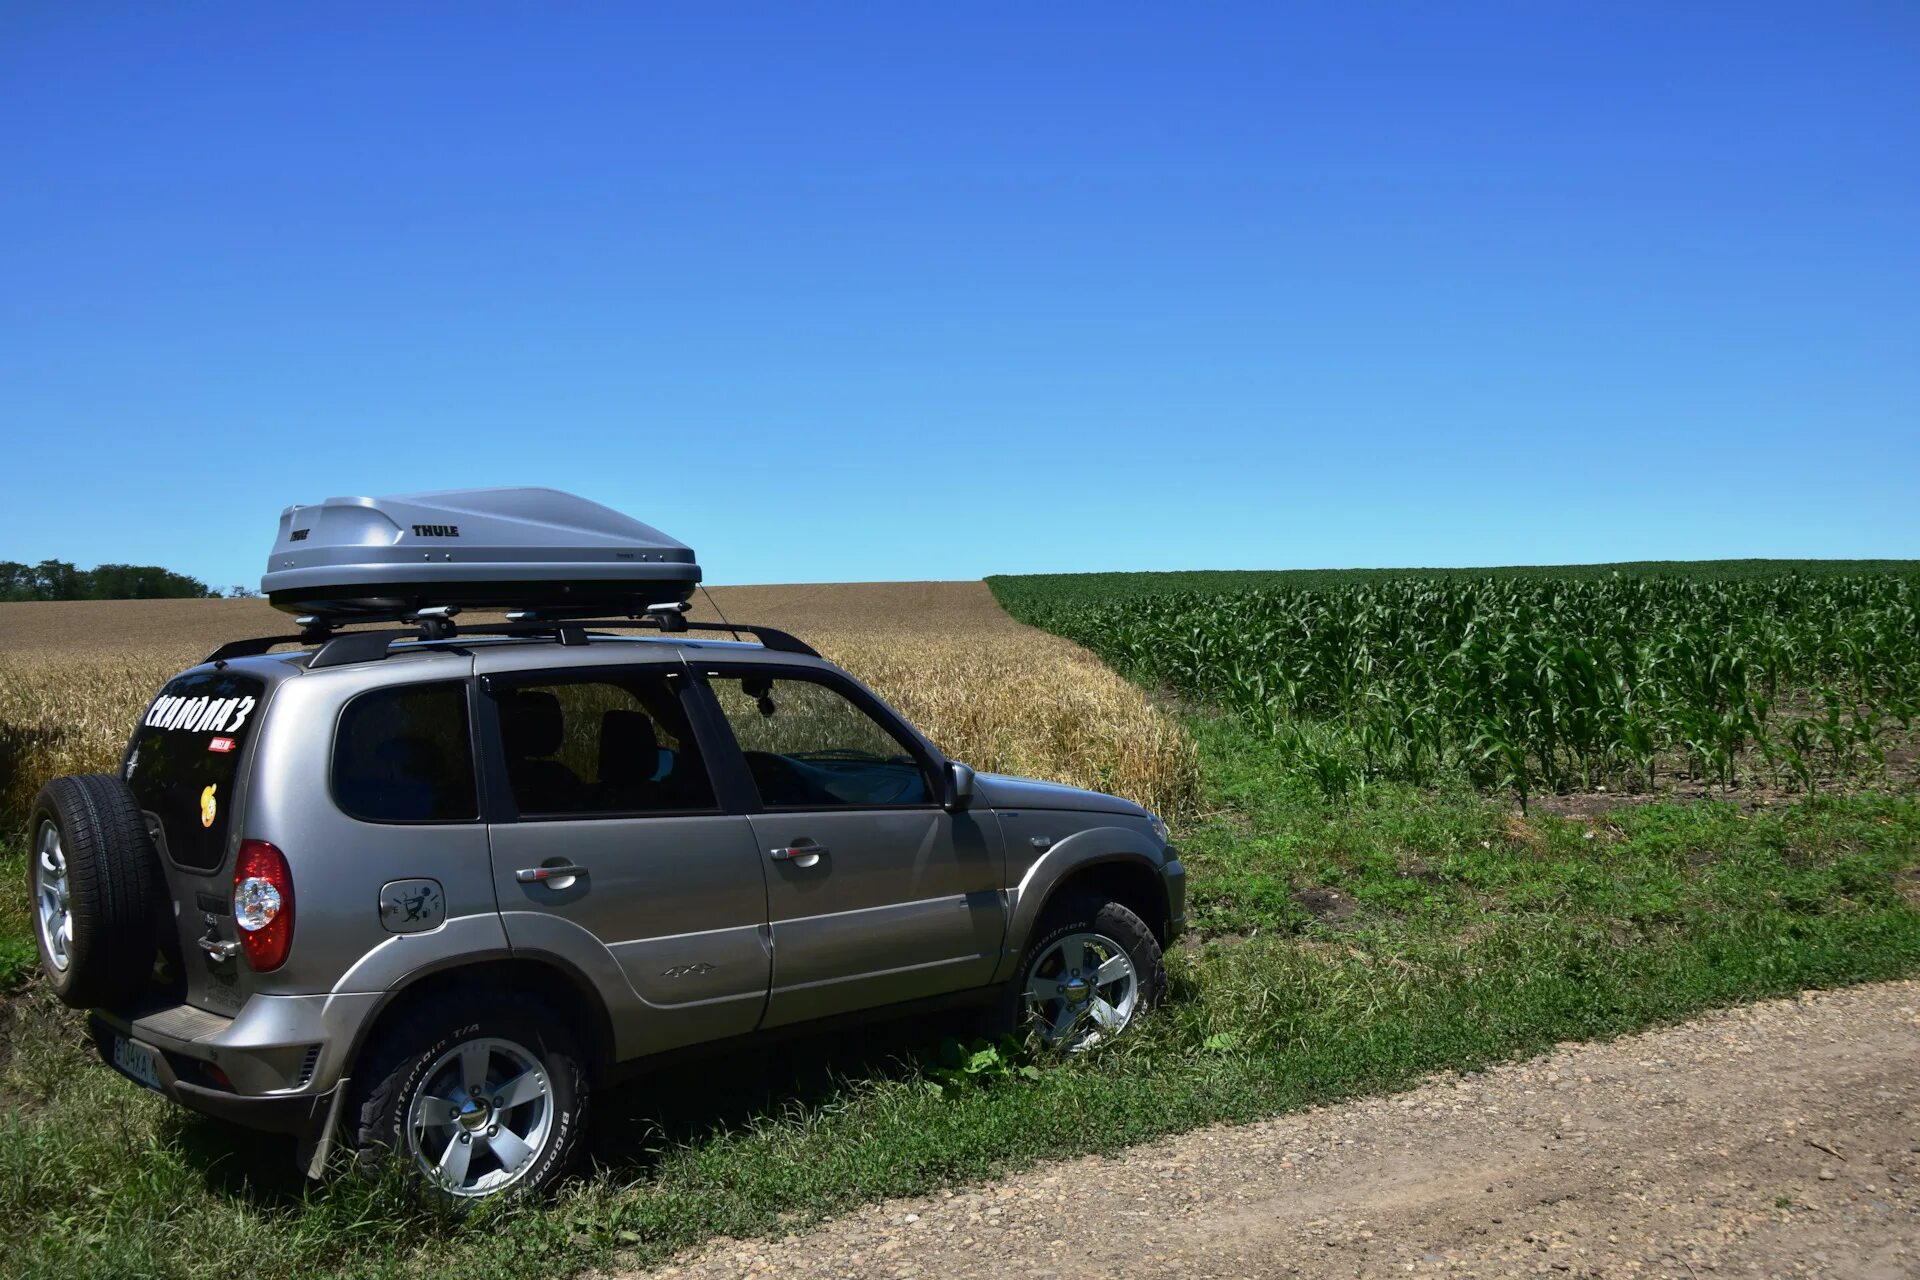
209	807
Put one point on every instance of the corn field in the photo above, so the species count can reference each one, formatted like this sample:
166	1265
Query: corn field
1537	683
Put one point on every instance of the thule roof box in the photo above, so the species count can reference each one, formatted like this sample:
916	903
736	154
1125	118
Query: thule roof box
539	552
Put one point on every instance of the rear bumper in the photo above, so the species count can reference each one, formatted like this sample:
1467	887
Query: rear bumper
274	1067
300	1114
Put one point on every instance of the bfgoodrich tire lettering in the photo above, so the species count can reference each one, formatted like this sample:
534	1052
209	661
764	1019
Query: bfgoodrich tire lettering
95	883
538	1099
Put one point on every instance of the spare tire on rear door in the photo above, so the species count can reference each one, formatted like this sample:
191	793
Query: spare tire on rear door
95	881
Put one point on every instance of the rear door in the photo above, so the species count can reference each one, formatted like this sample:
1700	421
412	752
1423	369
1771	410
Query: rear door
609	836
875	893
187	763
357	778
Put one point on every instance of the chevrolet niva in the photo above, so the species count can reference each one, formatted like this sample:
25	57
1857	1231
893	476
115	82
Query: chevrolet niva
420	891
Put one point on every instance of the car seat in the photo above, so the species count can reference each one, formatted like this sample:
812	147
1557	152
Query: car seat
532	729
629	760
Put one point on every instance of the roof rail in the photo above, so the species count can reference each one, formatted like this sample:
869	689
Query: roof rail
350	647
258	645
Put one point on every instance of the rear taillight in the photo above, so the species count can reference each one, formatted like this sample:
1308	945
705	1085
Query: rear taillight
263	904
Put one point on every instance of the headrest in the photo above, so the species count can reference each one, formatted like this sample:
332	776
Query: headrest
629	748
531	723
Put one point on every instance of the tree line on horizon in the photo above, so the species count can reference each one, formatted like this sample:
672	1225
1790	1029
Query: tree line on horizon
60	580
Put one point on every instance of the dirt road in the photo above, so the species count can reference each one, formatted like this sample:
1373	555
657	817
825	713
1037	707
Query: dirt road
1777	1140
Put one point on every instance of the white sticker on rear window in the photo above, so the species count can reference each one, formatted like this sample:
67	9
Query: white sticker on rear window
200	715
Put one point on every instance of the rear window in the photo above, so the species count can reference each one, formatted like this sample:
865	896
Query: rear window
404	755
185	756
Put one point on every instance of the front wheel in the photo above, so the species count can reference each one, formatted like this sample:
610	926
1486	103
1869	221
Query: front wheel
1092	970
477	1097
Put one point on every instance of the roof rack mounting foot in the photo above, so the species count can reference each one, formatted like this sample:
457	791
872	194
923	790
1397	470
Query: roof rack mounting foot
436	621
670	616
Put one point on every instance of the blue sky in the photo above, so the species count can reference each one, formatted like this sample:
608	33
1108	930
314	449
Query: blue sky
910	291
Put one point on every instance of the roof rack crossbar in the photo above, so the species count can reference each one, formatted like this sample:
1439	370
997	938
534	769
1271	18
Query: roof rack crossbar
350	647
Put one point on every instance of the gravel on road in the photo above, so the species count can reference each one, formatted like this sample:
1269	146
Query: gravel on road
1779	1139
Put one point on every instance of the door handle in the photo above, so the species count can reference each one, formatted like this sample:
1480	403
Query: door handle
806	853
541	875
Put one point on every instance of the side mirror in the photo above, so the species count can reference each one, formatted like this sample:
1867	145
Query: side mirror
959	797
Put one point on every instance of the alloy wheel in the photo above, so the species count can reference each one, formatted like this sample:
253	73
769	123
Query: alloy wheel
1081	988
51	897
481	1117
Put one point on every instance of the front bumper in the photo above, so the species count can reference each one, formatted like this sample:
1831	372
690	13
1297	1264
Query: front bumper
1174	874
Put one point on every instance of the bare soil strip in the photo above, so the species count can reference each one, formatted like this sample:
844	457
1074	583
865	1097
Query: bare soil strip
110	626
942	608
1778	1139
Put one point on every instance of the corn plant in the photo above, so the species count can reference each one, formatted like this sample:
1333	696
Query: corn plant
1537	683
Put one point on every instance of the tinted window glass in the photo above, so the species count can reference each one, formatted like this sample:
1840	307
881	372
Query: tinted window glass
601	746
808	745
403	755
185	756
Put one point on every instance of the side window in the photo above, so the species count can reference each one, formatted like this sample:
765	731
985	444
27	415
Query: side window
601	746
404	755
810	746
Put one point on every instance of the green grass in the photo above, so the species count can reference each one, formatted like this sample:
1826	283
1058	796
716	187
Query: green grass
1019	593
1411	862
18	956
1473	937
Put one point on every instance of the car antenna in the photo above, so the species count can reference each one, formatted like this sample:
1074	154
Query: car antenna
716	608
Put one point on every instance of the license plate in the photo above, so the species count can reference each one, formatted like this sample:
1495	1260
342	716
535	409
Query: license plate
136	1060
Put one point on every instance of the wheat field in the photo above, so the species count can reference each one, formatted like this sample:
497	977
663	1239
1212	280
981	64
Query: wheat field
999	695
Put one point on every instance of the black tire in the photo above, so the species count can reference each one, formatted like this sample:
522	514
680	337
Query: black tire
1091	914
113	888
401	1061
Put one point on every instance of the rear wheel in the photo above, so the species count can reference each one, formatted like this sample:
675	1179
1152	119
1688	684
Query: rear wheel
1091	971
477	1096
95	882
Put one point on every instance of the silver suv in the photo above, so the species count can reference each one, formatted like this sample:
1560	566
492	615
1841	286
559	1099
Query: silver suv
423	895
